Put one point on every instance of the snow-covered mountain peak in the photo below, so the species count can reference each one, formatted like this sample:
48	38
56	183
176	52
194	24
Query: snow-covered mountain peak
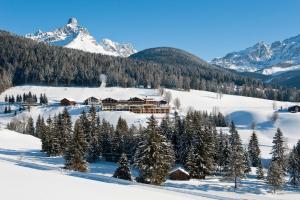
263	55
72	35
72	21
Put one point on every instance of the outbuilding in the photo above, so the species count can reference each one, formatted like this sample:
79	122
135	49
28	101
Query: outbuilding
294	109
92	101
67	102
179	174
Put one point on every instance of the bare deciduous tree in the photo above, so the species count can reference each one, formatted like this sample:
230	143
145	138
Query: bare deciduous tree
168	96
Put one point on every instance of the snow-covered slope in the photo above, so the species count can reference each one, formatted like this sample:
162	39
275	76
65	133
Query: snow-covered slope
75	36
242	110
262	55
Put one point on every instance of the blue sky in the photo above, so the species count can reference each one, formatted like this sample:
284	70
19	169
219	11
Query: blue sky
206	28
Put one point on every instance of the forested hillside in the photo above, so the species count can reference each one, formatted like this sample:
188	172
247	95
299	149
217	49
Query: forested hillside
24	61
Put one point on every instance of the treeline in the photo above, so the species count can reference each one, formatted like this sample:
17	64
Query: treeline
26	98
23	61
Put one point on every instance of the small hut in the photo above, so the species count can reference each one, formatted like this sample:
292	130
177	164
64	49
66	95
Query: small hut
294	109
179	174
67	102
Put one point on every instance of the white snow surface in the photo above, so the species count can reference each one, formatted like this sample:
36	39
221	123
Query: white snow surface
75	36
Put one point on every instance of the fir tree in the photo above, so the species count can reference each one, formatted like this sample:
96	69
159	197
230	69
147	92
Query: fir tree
259	171
93	150
30	127
236	165
119	139
247	162
66	131
75	154
253	150
275	175
38	127
276	169
55	148
191	165
123	171
294	167
167	128
154	156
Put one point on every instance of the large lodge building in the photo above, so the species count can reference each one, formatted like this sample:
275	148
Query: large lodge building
136	105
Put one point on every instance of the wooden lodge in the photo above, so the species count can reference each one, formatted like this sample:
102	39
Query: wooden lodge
294	109
136	105
67	102
179	174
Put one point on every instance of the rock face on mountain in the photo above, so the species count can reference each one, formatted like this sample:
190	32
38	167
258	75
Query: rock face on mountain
274	58
72	35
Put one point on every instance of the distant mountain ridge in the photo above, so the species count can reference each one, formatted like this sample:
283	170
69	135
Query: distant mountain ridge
72	35
268	59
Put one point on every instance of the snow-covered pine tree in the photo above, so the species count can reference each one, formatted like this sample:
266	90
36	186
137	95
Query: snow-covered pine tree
167	127
236	166
93	149
253	150
191	165
123	171
294	166
277	167
259	171
48	136
86	128
118	141
247	162
75	154
38	127
184	137
154	156
55	129
66	129
30	127
105	136
275	175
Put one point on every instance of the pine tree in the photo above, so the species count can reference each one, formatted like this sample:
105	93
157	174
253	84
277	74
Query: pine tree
105	136
167	128
253	150
55	136
275	175
38	127
66	132
30	127
236	165
247	162
259	171
93	152
86	127
75	154
191	165
123	171
154	156
294	166
277	167
119	139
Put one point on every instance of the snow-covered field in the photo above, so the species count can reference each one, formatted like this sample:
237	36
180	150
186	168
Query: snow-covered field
242	110
29	174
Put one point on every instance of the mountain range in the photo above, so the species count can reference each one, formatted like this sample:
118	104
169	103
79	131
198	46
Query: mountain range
74	36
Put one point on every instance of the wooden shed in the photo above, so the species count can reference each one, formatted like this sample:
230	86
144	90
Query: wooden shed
67	102
179	174
294	109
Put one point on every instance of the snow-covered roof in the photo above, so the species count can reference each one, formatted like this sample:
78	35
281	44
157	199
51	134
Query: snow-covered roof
180	169
69	99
